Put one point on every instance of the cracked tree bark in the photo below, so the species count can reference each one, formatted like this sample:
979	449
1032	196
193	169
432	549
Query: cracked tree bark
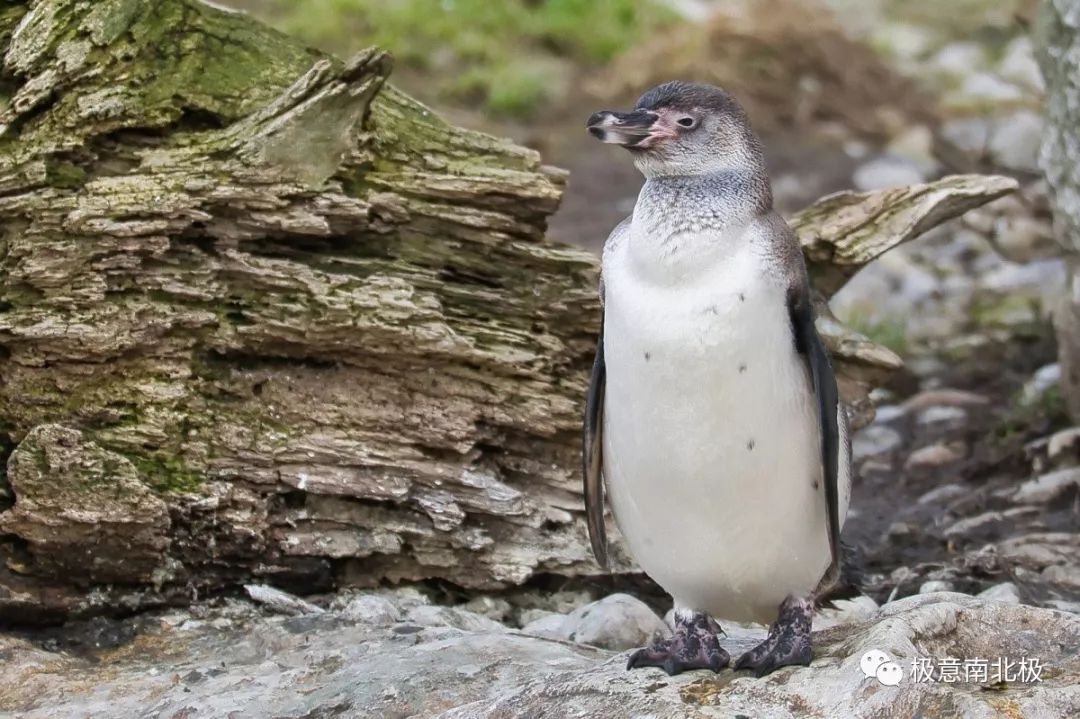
263	315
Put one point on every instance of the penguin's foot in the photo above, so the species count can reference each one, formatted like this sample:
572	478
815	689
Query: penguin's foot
788	642
693	646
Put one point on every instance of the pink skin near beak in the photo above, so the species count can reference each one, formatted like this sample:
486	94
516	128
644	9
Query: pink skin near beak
637	130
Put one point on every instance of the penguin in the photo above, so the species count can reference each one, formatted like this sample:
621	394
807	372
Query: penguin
713	422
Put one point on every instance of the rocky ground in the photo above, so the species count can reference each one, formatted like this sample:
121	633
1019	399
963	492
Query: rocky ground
395	655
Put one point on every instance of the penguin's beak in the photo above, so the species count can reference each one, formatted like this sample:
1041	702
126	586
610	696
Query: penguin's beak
637	129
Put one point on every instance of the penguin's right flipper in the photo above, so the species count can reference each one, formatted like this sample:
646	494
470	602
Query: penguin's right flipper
592	455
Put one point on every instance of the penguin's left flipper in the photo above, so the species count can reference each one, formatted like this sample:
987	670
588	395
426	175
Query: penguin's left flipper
592	455
808	343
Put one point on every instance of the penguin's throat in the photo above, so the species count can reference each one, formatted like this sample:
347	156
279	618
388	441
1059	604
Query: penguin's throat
686	224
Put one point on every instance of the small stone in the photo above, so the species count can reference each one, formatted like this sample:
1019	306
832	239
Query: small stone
1015	140
889	413
616	622
944	493
1005	592
1040	383
968	525
969	135
887	171
371	609
1065	441
941	415
1048	487
491	607
935	585
1018	64
986	87
279	601
428	615
933	456
875	440
550	626
1022	238
958	59
1067	574
916	145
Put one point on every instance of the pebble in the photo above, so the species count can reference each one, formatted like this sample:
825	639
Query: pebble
616	622
969	135
1067	574
935	585
1018	64
1015	141
944	493
958	59
1066	440
279	601
941	415
967	525
1044	378
491	607
889	413
1048	487
1005	592
875	440
986	87
549	626
371	609
935	455
887	171
428	615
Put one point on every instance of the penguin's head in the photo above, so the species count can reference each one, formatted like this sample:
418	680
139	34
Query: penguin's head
682	129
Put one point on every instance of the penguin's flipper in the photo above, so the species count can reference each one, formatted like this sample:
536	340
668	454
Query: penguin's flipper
808	343
592	455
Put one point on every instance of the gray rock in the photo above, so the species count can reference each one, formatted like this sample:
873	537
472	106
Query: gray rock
491	607
958	59
1018	64
988	88
371	609
941	417
887	171
551	626
1004	592
1048	487
942	494
935	585
1014	142
888	414
429	615
1063	442
618	622
279	601
272	667
1044	378
969	135
933	456
1066	574
875	440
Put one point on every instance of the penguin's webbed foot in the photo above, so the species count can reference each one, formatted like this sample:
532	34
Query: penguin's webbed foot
693	646
788	642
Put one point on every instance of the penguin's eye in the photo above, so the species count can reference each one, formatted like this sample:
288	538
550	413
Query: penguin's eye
687	121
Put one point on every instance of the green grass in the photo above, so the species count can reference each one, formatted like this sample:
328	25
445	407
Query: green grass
496	53
890	332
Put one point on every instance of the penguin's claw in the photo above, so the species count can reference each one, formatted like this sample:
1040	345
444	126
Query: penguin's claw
788	643
694	646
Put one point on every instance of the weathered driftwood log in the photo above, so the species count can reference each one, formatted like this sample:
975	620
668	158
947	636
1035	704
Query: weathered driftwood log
262	315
